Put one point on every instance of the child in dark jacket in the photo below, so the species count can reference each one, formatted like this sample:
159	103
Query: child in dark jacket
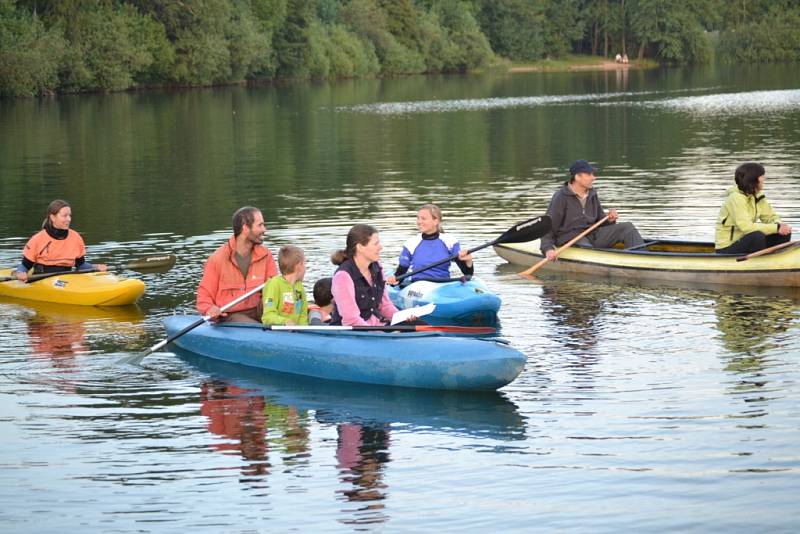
319	313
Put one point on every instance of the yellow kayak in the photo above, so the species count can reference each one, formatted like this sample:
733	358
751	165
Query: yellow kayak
83	289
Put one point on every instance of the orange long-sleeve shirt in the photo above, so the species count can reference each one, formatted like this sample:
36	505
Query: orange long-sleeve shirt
223	282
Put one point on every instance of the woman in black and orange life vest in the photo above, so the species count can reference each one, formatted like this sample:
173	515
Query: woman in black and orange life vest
55	248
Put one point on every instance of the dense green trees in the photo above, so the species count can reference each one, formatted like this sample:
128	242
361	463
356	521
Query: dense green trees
49	46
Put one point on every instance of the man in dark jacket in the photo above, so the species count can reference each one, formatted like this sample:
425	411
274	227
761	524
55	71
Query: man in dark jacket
575	207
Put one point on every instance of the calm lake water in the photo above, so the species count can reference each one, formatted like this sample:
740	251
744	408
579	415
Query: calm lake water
641	407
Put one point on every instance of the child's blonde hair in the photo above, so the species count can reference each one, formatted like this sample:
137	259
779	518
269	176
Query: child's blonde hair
289	257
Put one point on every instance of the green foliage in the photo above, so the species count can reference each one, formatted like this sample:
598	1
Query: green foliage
291	39
366	19
460	45
351	56
250	46
514	28
671	29
108	45
30	54
771	37
564	26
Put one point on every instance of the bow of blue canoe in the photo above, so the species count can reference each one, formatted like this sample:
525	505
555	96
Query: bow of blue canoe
427	360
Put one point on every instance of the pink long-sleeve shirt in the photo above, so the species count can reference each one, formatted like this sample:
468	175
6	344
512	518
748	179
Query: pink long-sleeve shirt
344	294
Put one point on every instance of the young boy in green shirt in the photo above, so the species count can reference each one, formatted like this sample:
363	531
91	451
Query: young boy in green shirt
284	297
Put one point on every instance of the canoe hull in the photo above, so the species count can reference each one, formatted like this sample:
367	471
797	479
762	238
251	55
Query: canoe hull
467	303
84	289
780	269
419	360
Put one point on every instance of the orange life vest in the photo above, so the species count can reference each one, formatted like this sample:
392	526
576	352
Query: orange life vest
44	249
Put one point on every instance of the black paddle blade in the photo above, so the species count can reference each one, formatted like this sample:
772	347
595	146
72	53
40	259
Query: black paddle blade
162	261
526	230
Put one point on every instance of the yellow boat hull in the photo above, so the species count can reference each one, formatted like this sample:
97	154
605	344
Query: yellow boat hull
81	289
666	261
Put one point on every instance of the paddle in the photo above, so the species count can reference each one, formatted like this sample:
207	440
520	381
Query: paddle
475	330
136	358
768	250
519	233
142	264
530	270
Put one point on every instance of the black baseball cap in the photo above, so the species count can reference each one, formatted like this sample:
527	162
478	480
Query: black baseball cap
581	166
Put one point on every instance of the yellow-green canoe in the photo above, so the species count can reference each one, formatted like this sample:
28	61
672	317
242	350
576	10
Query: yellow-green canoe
666	261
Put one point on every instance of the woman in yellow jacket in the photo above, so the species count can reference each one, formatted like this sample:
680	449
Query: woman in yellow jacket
746	221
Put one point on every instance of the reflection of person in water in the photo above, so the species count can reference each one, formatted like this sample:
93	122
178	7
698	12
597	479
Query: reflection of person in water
237	416
59	341
362	452
575	309
748	326
292	425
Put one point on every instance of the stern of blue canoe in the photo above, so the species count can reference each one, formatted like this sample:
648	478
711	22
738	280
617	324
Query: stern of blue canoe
465	303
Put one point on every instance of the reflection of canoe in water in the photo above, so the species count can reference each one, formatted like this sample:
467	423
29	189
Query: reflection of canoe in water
59	331
413	359
82	289
466	302
486	414
66	313
666	261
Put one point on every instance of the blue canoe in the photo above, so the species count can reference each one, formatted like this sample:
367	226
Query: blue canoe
412	359
467	302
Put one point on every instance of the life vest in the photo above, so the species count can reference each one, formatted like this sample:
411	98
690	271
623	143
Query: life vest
48	251
368	297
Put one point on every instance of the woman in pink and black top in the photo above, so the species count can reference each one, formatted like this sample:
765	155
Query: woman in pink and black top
358	286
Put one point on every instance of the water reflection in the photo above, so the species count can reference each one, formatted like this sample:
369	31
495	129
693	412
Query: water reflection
481	414
574	308
362	453
257	412
752	329
749	326
58	332
238	416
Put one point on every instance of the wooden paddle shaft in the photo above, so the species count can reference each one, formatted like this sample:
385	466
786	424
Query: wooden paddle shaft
559	250
768	250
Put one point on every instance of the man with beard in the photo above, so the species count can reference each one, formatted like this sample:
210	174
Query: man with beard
575	207
238	266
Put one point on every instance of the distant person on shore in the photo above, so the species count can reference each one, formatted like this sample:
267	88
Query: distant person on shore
430	245
56	247
575	207
746	222
358	286
625	58
284	297
319	313
618	58
240	265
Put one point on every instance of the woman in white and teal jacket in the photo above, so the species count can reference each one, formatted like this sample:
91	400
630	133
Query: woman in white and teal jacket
746	222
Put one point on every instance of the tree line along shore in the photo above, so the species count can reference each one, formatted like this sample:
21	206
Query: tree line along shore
69	46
